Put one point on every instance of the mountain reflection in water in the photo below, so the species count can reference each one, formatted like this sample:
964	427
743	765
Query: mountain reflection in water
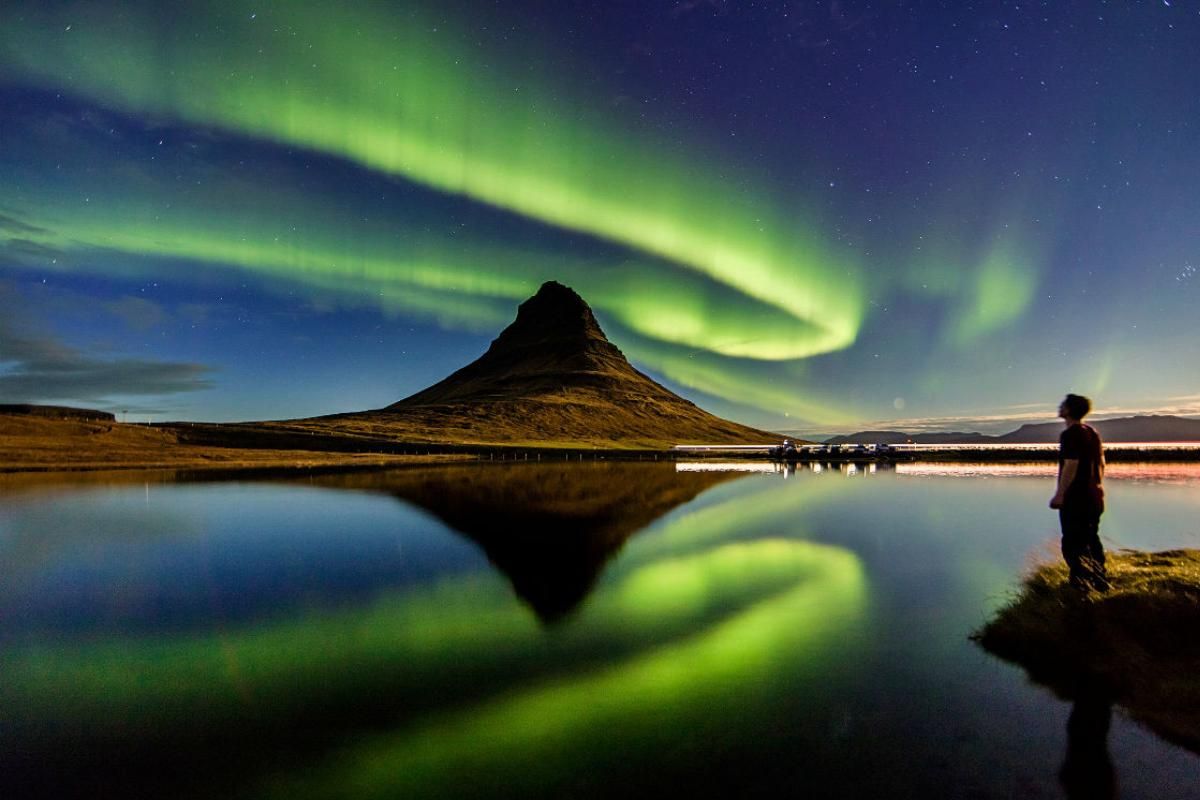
691	641
549	527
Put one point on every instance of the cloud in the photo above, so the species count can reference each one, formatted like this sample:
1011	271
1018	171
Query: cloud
56	301
24	242
989	423
25	250
13	225
196	313
1189	399
37	368
137	312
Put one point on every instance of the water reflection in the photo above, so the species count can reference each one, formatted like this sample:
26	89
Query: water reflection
704	624
550	528
1087	772
1175	474
785	469
759	637
616	719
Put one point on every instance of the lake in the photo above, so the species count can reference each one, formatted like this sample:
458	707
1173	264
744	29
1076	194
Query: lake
600	629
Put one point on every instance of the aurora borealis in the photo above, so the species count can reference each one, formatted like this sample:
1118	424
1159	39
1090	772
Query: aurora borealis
799	215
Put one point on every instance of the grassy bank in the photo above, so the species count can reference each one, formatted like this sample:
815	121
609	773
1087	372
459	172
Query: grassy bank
35	444
1137	643
32	443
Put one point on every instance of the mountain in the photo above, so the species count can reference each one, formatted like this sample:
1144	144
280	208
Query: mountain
872	437
1148	428
899	437
550	379
555	345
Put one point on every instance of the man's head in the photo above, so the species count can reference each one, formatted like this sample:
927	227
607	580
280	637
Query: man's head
1074	407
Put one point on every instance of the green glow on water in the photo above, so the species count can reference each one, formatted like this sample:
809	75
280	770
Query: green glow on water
703	617
725	671
431	629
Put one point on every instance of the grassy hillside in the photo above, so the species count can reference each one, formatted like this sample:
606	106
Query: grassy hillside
550	379
34	443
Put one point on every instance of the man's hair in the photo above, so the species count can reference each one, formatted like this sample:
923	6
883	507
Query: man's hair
1077	405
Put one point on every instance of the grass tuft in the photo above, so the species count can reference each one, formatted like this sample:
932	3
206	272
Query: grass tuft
1139	642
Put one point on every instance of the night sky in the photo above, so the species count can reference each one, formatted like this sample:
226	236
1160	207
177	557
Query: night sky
813	216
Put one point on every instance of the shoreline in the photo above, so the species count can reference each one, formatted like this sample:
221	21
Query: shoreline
1133	645
30	444
183	457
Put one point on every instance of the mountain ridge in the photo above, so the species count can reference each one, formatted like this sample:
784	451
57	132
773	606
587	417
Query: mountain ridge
1138	428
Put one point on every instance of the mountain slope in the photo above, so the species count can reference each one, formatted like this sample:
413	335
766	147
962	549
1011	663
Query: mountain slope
554	346
550	379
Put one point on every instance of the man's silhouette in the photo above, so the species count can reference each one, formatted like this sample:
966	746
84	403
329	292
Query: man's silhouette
1080	495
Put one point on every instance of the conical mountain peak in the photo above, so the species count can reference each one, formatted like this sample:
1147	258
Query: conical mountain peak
552	376
553	345
554	300
555	312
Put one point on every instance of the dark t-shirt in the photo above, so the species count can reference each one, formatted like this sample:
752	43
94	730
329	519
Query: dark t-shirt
1082	443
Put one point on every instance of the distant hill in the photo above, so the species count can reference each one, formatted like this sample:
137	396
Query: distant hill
899	437
56	412
1148	428
551	378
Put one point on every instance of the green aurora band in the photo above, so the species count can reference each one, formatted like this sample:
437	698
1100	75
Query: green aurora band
988	281
385	93
673	320
697	617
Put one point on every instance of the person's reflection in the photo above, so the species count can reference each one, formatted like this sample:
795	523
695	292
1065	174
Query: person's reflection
1087	771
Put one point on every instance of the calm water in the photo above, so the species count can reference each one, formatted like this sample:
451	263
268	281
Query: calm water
597	630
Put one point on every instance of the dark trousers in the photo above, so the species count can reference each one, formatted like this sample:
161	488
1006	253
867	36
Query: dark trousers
1081	546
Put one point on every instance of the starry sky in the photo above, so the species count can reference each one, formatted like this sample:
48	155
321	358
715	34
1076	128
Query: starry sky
811	216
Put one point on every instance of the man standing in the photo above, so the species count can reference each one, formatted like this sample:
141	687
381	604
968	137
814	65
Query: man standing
1080	495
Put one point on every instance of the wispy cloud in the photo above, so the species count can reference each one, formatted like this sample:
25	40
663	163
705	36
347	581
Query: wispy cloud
13	225
1186	399
25	251
138	313
42	369
987	423
39	367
